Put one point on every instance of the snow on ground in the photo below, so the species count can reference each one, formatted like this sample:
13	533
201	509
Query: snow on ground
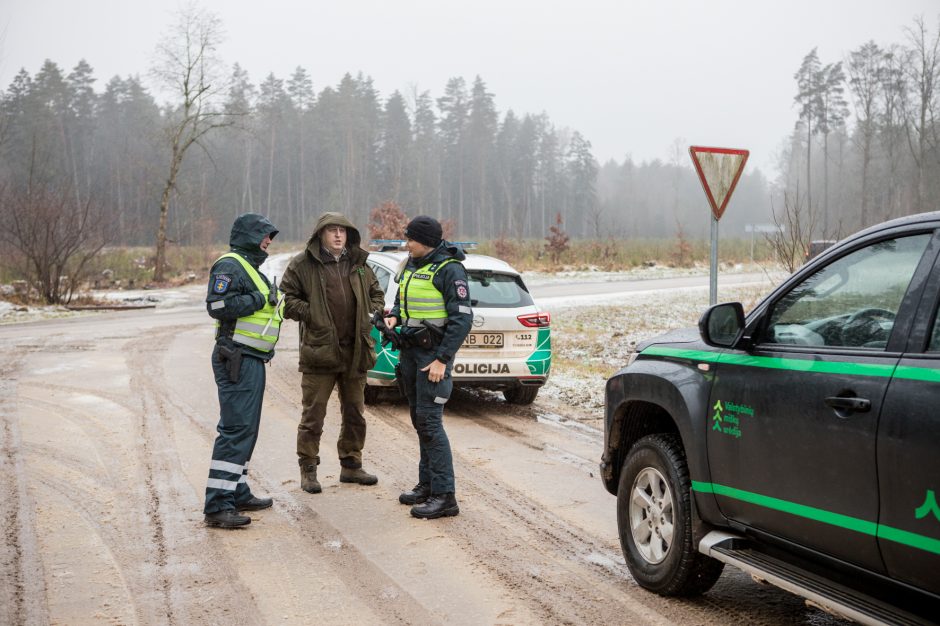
644	272
591	342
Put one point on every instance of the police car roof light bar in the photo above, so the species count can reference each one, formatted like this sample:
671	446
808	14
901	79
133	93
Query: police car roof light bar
388	245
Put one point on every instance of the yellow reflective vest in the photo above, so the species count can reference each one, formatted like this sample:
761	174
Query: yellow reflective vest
261	329
418	298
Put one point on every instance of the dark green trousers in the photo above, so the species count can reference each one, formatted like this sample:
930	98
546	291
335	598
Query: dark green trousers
239	418
316	390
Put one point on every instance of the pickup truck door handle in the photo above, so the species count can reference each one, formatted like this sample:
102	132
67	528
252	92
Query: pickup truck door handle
849	405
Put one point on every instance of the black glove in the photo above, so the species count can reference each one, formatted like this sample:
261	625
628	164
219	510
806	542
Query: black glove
389	336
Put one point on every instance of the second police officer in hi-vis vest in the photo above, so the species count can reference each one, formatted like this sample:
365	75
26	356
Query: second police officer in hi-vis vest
248	313
433	309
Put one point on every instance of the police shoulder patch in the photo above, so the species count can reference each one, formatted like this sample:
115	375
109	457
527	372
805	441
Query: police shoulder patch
221	283
461	292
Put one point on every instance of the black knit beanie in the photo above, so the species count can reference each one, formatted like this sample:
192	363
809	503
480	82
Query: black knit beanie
425	230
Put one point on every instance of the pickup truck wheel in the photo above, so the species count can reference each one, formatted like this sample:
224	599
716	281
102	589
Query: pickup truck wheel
654	516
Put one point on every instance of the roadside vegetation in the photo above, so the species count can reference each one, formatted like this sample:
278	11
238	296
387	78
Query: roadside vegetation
117	267
619	255
590	343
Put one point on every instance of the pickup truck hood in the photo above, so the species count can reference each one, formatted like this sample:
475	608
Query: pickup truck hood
681	335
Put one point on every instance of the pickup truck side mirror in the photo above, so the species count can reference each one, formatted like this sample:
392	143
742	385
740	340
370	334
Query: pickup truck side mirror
722	325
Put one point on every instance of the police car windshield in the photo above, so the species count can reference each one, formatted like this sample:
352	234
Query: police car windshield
491	289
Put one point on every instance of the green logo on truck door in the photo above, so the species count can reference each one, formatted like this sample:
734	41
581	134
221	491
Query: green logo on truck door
726	418
929	506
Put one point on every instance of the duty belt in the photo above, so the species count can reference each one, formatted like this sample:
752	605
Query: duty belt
419	323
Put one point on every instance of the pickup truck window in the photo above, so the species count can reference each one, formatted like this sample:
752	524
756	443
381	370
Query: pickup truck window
935	337
851	302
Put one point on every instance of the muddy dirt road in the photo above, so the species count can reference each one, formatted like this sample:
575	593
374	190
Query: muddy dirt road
106	426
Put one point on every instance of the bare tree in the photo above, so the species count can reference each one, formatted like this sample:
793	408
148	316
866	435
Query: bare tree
795	225
807	98
50	237
867	69
832	113
892	128
187	65
923	73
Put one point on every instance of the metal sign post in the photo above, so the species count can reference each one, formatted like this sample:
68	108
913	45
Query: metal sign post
718	170
713	265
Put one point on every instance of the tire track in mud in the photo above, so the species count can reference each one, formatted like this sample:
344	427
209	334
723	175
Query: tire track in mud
178	557
378	591
558	568
613	562
23	594
536	555
583	581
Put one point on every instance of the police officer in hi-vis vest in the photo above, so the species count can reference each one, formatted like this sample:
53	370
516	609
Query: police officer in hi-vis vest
433	309
248	311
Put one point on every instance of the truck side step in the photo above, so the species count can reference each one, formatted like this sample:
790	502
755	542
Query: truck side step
829	596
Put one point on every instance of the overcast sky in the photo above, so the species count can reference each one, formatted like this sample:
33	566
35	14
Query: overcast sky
633	77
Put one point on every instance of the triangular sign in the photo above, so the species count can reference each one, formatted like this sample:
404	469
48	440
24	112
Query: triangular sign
719	170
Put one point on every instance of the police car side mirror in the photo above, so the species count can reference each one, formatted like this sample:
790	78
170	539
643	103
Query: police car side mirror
722	325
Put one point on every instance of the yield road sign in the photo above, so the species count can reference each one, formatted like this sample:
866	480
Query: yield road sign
719	170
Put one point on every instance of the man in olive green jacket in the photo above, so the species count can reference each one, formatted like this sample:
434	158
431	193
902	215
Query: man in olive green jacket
331	291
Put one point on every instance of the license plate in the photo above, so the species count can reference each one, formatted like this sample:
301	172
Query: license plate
483	340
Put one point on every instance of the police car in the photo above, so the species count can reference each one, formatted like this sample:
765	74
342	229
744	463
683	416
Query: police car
508	348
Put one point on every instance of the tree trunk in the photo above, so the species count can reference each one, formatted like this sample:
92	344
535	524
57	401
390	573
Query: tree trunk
866	160
809	151
826	184
159	267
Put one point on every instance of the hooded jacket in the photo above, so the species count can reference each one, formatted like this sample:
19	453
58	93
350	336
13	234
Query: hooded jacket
451	281
305	287
232	294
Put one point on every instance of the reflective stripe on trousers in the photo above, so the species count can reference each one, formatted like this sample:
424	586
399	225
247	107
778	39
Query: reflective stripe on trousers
239	418
426	402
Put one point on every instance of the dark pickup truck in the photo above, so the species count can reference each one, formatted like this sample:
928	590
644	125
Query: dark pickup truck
801	442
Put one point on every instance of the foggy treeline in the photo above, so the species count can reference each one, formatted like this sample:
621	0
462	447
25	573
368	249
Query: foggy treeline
864	148
883	163
291	152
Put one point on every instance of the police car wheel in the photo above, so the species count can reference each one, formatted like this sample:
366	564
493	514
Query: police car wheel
371	394
519	394
654	517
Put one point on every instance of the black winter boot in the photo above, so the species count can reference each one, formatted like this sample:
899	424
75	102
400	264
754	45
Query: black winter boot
418	494
438	505
227	518
255	504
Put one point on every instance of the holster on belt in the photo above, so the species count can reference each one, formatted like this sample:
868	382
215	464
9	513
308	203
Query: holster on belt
421	338
400	381
436	333
231	355
427	337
